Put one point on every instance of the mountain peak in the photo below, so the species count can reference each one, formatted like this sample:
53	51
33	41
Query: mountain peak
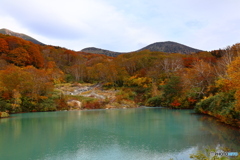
20	35
170	47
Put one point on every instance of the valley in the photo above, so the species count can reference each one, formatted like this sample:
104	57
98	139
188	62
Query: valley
38	78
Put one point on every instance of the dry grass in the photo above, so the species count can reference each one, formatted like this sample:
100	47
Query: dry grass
86	92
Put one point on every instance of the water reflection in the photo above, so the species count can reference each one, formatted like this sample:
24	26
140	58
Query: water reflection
222	133
142	133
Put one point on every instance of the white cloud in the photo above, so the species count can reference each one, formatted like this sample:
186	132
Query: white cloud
123	25
88	22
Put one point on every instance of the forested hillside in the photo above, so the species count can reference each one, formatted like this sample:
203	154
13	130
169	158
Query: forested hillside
205	81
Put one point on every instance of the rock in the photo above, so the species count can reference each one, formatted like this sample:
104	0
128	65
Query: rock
74	104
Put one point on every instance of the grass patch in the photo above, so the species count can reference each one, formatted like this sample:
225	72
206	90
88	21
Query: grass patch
80	98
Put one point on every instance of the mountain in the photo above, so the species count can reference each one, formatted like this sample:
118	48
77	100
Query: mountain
100	51
20	35
168	47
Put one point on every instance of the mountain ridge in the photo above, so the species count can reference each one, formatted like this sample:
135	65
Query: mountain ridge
102	51
167	46
20	35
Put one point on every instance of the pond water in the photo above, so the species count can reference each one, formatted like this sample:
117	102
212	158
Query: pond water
142	133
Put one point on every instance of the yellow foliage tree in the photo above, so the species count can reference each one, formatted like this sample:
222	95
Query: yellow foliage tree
139	81
234	81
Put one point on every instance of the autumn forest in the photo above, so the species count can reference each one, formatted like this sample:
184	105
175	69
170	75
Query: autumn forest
207	82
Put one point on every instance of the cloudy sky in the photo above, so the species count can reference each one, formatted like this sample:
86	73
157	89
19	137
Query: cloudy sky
124	25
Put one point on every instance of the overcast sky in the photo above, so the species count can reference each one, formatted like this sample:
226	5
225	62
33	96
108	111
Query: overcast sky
124	25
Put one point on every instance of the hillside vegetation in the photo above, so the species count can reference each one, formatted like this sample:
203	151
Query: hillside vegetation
205	81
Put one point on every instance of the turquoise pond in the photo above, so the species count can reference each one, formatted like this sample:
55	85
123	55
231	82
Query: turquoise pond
124	134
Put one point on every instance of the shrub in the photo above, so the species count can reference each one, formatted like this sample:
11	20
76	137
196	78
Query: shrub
175	104
47	105
61	104
28	105
4	106
217	103
92	105
220	106
154	101
4	114
126	93
69	78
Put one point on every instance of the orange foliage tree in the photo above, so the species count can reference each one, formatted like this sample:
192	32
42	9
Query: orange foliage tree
39	83
197	78
36	57
28	81
13	42
18	56
4	48
13	78
56	75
